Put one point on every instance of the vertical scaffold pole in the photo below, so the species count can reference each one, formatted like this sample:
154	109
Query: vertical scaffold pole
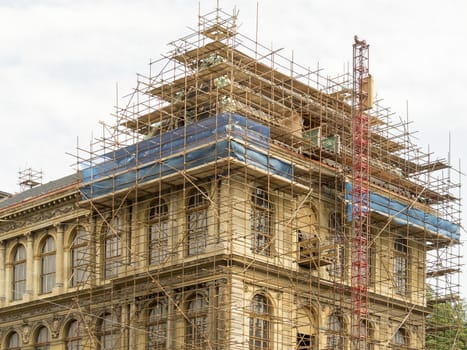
361	102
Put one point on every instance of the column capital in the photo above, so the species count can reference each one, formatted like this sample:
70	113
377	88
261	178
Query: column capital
59	227
211	283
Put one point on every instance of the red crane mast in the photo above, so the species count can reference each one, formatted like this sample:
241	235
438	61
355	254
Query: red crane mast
361	103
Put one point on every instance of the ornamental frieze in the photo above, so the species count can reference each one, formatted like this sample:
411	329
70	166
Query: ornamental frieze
17	223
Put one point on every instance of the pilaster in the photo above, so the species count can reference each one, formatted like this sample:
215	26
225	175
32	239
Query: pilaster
59	261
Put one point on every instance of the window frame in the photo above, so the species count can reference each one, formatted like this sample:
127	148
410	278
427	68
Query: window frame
112	246
73	340
19	262
367	330
108	333
337	237
9	338
260	323
158	231
156	324
79	249
196	323
308	340
197	222
261	221
400	334
42	344
335	326
48	264
401	265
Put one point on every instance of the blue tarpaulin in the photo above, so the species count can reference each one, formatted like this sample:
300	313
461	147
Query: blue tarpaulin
202	142
215	138
405	214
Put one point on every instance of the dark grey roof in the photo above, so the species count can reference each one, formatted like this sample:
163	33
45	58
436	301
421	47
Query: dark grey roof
40	190
4	195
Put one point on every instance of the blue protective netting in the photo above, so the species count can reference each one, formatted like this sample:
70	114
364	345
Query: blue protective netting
405	214
215	138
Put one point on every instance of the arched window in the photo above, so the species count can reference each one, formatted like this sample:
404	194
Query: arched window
13	342
108	334
260	323
19	272
158	231
366	336
157	326
335	327
42	339
73	339
48	266
196	323
336	236
399	339
308	239
197	222
261	222
307	330
112	247
79	257
401	266
306	223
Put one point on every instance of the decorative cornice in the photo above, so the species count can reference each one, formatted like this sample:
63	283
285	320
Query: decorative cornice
41	206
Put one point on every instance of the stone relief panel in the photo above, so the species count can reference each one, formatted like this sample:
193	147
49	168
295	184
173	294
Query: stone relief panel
25	220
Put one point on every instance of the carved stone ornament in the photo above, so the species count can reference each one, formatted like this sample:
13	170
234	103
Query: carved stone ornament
55	327
26	333
43	216
89	321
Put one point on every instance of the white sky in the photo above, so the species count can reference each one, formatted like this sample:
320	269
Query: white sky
60	62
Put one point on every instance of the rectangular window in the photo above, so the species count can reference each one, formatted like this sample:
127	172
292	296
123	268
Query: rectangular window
157	326
19	273
261	217
401	266
260	228
48	267
197	222
197	231
80	258
79	266
158	220
112	256
19	286
113	247
48	275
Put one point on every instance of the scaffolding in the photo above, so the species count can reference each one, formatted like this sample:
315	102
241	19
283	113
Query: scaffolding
29	178
228	211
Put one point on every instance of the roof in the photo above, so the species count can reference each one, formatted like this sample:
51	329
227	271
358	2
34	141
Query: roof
40	190
4	195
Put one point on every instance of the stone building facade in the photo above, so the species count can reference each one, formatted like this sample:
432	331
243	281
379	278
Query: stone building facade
69	279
